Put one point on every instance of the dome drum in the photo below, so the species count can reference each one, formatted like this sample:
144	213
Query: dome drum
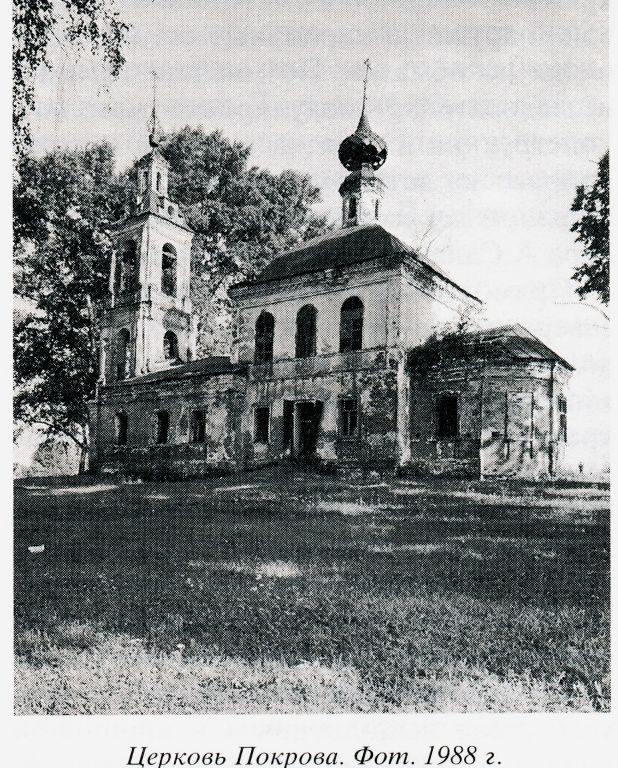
363	176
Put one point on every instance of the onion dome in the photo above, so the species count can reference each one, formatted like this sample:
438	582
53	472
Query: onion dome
363	147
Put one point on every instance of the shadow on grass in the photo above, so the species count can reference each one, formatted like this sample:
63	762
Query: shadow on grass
398	592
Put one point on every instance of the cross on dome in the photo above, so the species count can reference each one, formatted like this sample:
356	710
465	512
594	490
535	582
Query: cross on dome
364	146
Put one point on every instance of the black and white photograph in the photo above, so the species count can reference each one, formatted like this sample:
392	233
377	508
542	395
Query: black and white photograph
311	360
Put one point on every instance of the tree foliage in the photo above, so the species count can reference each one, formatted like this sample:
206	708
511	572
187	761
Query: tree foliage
79	23
242	216
64	206
456	340
592	230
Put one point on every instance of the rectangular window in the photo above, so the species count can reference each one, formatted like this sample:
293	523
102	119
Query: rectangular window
261	426
120	428
163	427
198	427
447	416
562	410
348	417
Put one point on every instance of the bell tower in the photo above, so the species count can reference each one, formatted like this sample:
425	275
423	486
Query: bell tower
147	322
362	153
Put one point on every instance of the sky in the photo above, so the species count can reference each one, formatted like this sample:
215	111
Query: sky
493	113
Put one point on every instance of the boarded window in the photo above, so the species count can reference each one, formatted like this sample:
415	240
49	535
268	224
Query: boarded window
518	420
198	427
351	331
348	417
168	270
120	428
306	331
170	346
562	412
123	354
447	416
264	336
261	426
163	427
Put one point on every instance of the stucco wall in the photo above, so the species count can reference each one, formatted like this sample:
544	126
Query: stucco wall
221	397
371	377
153	312
424	311
376	286
508	422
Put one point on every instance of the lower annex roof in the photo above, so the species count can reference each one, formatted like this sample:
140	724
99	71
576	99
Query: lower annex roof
511	341
206	366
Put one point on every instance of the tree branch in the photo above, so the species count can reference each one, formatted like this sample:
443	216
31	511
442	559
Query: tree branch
60	430
584	304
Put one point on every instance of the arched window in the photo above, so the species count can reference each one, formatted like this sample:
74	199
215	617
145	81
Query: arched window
168	270
145	180
352	208
123	354
264	334
158	182
170	346
120	428
126	268
351	333
306	331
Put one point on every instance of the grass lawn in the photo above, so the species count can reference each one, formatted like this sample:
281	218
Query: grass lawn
287	591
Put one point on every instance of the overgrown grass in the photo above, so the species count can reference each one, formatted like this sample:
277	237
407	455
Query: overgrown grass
291	592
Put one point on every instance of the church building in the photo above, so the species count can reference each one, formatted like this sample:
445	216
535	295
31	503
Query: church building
340	356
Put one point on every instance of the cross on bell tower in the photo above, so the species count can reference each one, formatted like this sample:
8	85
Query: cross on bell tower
154	129
362	153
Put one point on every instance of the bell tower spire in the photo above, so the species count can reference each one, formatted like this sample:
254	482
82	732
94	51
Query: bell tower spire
154	129
362	153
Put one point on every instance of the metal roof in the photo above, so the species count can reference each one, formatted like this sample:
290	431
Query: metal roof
506	341
348	246
207	366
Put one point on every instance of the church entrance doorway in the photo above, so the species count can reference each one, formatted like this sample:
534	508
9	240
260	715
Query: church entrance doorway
288	428
308	418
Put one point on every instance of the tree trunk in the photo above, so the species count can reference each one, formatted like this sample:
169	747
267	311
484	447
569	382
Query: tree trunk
83	460
83	451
